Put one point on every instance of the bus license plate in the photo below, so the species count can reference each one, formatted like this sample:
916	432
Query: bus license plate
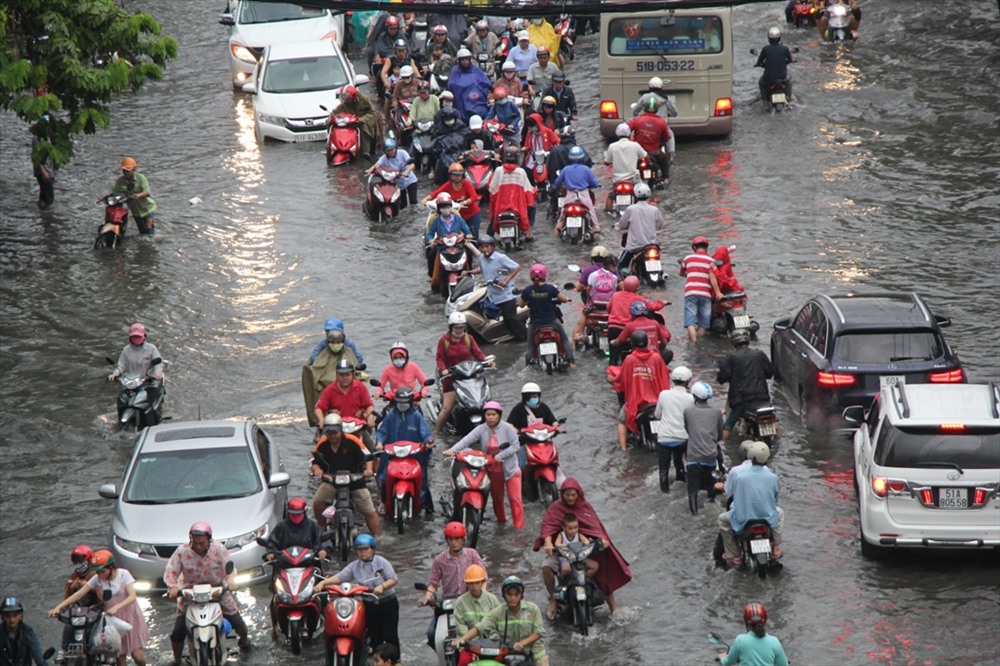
547	349
953	498
767	429
507	232
741	321
603	343
574	222
653	265
758	546
623	200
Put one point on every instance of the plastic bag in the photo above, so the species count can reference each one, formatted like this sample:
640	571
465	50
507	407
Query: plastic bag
121	625
105	639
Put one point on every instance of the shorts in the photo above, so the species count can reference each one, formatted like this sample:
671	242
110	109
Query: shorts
697	311
735	413
46	190
362	499
552	562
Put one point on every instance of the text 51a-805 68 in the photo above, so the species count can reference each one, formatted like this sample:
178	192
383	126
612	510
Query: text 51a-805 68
664	66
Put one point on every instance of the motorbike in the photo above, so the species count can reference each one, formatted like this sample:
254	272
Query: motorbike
778	92
577	596
111	232
203	619
805	14
548	350
595	329
755	549
83	619
382	204
649	171
760	421
498	131
577	224
646	265
495	653
134	406
345	625
343	139
541	473
471	486
471	392
453	258
721	647
622	196
445	628
402	123
342	524
421	145
564	28
535	162
403	482
485	63
646	421
478	170
509	230
729	314
295	609
418	37
485	320
838	28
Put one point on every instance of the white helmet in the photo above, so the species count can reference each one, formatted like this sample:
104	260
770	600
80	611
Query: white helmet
701	391
656	83
508	66
680	373
405	71
758	452
463	53
745	448
642	191
456	319
531	387
623	130
475	122
773	33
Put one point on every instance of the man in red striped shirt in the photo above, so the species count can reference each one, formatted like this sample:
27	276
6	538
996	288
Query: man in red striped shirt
700	287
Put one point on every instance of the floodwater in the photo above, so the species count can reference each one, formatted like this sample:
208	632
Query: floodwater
883	176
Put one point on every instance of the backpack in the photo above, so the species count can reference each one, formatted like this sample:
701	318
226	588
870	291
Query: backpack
605	283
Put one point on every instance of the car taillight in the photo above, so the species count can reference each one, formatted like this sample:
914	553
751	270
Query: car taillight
609	109
979	496
724	106
949	377
834	379
926	496
882	486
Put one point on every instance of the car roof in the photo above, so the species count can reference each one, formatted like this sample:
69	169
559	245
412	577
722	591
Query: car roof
288	51
195	434
934	404
877	310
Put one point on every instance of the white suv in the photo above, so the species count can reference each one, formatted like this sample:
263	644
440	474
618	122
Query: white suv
927	466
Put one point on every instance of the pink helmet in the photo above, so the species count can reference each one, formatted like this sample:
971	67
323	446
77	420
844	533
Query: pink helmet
137	329
538	272
494	405
201	528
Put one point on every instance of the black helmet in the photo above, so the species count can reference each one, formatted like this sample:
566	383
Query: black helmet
511	155
449	112
404	395
11	605
739	337
639	340
344	366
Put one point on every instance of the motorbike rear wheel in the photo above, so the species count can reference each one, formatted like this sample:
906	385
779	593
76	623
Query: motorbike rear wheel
472	519
295	634
761	565
547	491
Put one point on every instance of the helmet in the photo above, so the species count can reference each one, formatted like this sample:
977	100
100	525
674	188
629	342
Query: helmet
296	508
739	337
755	613
405	72
455	530
440	29
699	240
487	240
523	35
758	452
399	345
631	283
500	93
623	130
344	367
364	541
550	100
333	422
335	335
567	131
542	50
81	554
463	53
482	25
494	406
508	66
538	272
446	94
511	581
638	309
476	122
129	163
639	340
200	528
423	86
333	323
701	390
680	374
404	395
651	105
656	83
392	22
137	329
348	92
400	44
599	251
475	574
745	449
511	155
457	319
389	144
443	199
642	191
530	387
449	113
576	153
773	34
558	75
11	605
101	559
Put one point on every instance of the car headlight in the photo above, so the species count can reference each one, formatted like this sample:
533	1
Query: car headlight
135	547
241	52
270	120
237	542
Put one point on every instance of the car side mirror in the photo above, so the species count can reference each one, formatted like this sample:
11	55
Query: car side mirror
279	479
108	491
250	87
782	324
227	19
855	414
361	80
942	322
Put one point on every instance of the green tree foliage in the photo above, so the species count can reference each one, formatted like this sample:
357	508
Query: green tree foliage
63	61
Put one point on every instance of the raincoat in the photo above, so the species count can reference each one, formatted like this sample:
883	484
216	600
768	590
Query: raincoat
642	377
470	86
724	271
544	34
510	189
319	374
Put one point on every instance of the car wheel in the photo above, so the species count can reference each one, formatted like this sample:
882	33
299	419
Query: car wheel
258	134
774	361
810	415
870	550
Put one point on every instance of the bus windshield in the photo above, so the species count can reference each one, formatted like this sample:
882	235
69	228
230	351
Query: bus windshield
665	35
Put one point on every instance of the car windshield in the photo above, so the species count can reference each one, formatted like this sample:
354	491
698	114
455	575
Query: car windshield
269	12
890	347
192	475
642	36
975	448
303	75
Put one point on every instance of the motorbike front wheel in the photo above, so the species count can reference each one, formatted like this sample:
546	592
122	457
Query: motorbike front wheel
204	655
472	519
580	617
295	634
343	541
404	510
547	491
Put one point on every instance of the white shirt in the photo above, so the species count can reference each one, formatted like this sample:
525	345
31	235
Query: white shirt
624	154
670	408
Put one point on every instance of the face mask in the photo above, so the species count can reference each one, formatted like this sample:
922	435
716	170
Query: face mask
536	21
532	402
449	123
399	362
336	347
403	406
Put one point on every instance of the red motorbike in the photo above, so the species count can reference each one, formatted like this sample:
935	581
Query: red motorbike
402	123
805	13
548	350
345	625
622	196
471	486
453	257
111	232
496	130
478	170
535	162
295	609
577	223
542	469
403	482
595	329
343	141
384	195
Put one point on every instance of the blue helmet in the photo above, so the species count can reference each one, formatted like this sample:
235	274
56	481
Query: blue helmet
333	323
577	153
701	391
389	144
638	308
364	541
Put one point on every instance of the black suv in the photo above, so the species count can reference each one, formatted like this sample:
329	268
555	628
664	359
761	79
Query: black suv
830	354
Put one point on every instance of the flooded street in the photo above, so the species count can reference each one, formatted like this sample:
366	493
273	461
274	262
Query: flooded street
883	176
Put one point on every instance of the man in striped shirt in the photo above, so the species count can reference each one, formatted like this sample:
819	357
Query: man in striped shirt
700	286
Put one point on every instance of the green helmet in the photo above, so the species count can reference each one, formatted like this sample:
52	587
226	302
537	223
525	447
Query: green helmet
511	581
651	105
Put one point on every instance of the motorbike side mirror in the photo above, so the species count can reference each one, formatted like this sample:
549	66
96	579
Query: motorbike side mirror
569	286
261	541
48	653
250	87
230	567
155	361
795	49
110	360
374	382
430	382
783	324
420	586
106	596
753	51
361	367
574	267
561	421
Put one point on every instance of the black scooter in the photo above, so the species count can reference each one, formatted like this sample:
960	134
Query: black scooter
134	406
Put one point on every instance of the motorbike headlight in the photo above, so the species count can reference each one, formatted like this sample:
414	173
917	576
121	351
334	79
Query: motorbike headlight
135	547
306	593
237	542
284	597
79	621
344	608
241	52
378	195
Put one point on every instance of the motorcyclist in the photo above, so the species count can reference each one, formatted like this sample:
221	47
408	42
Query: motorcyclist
552	117
382	38
542	300
499	271
483	40
623	156
392	68
540	73
619	308
518	621
296	529
524	54
477	133
319	374
470	85
774	58
448	570
724	275
199	561
404	423
405	88
336	451
140	203
756	646
505	110
641	221
81	574
642	320
531	410
747	371
396	159
579	181
355	102
453	347
329	325
437	67
651	131
401	372
19	644
558	159
510	189
643	375
509	81
473	606
136	359
824	18
563	94
463	192
544	36
449	138
426	105
441	38
755	497
667	108
600	286
446	222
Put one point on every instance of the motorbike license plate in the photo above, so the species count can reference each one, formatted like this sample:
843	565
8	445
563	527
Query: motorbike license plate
654	426
767	429
653	265
646	174
953	498
741	321
310	136
603	343
623	200
581	594
574	222
560	202
548	348
758	546
507	232
778	98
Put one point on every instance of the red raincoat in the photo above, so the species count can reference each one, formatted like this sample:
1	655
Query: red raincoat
510	189
724	271
643	375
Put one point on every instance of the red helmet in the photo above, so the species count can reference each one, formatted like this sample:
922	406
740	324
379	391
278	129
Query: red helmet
754	614
699	240
81	554
348	92
297	510
455	530
538	272
392	22
631	283
500	93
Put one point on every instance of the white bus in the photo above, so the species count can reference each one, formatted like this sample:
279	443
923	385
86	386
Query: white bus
690	49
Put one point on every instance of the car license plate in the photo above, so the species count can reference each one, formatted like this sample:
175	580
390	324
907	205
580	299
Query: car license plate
741	321
623	200
507	232
953	498
310	136
767	429
778	98
758	546
574	221
602	342
653	265
547	349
